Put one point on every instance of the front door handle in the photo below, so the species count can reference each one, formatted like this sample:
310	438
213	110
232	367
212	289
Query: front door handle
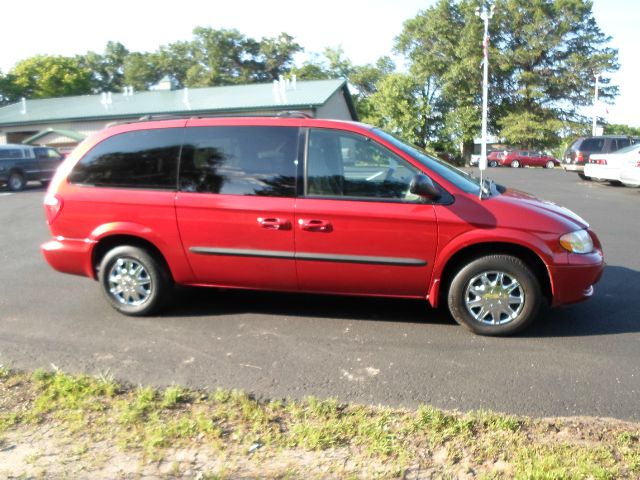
274	223
315	225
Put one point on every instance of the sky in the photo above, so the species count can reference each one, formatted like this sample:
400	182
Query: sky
365	29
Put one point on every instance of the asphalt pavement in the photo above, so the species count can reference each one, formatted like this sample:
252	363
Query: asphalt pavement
581	359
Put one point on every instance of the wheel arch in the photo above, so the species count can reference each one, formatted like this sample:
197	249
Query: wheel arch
110	242
471	252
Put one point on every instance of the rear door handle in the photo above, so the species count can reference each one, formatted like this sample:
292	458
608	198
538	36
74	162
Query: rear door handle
274	223
315	225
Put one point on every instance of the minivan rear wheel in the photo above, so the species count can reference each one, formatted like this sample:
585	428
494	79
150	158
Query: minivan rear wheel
495	295
134	281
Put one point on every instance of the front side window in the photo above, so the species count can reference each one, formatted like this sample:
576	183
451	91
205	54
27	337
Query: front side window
240	160
464	181
342	164
47	153
136	159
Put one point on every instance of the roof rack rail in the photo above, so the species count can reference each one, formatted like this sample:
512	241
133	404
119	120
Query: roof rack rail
146	118
293	114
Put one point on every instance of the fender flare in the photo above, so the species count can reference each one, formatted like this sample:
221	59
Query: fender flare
479	238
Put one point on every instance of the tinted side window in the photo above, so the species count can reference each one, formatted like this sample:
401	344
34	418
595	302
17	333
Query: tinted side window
10	153
592	144
47	153
137	159
621	143
349	165
240	160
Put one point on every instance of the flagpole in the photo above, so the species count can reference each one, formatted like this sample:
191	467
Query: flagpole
595	107
485	16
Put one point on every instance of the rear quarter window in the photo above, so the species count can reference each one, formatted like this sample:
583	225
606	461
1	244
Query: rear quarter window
10	153
592	145
137	159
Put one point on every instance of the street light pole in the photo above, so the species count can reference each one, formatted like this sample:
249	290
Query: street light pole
485	16
595	106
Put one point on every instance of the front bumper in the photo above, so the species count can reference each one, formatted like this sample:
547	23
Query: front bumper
574	282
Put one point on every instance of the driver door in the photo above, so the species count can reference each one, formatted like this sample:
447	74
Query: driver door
358	230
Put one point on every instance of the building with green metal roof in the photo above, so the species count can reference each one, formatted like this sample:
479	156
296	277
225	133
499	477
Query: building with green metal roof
65	121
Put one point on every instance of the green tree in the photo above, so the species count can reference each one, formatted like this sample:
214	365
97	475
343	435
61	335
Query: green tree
224	57
9	91
366	80
276	56
543	56
107	68
548	53
405	105
620	129
180	61
141	70
45	76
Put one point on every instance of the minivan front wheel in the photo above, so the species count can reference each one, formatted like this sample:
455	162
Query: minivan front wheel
134	281
495	295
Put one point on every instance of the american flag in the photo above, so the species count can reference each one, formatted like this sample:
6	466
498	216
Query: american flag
485	46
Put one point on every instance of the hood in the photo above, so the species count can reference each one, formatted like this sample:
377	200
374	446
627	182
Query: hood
541	210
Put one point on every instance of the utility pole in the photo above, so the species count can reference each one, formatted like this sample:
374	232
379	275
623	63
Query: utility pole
595	106
485	15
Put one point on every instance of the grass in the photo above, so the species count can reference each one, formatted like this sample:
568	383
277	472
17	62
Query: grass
239	433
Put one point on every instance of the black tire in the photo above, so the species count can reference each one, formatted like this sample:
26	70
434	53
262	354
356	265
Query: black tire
584	177
511	303
515	164
143	289
493	163
550	164
16	182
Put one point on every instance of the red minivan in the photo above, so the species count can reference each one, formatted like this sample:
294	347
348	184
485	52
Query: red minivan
308	205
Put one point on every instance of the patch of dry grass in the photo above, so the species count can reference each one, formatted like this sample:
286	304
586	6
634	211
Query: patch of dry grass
59	424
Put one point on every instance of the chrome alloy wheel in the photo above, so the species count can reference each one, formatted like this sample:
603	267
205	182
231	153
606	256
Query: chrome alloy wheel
494	298
129	282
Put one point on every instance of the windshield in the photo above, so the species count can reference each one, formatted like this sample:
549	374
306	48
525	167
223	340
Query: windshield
464	181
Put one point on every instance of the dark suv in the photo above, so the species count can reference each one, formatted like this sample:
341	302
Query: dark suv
22	163
577	155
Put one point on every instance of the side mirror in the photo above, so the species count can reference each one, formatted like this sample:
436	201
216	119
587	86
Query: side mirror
423	186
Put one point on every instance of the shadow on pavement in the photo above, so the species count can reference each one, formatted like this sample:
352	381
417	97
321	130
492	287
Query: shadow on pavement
614	309
206	302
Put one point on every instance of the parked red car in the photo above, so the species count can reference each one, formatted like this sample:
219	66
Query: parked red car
308	205
527	158
494	157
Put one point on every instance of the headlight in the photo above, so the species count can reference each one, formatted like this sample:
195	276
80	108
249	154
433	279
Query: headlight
577	242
